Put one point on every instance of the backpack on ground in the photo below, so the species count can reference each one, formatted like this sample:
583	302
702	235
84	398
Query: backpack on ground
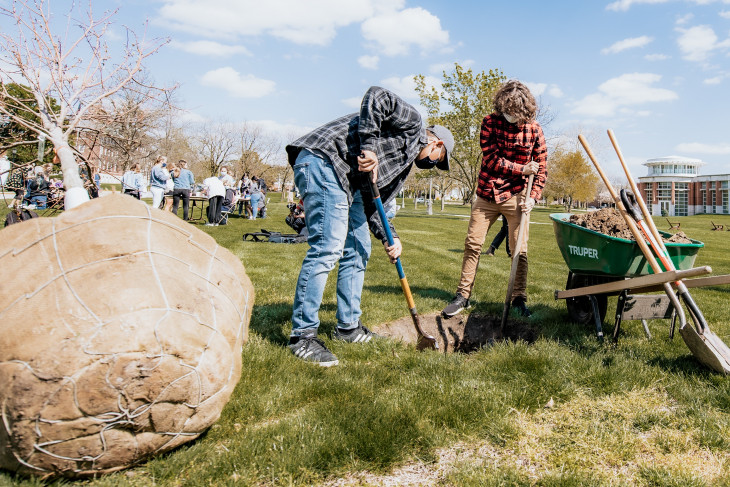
273	237
17	216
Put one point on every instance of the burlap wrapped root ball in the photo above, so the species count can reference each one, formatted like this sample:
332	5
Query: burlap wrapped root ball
121	329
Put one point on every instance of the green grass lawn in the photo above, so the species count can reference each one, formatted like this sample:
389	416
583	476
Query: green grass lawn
641	413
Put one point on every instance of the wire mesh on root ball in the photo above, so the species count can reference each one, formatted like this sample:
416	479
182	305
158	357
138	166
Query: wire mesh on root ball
121	330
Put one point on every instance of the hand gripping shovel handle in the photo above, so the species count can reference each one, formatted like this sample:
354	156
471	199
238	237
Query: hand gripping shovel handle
524	222
424	340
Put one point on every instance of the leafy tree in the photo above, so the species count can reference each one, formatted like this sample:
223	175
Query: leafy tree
16	138
572	178
467	100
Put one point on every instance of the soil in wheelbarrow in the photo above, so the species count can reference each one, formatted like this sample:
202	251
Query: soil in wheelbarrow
460	333
610	222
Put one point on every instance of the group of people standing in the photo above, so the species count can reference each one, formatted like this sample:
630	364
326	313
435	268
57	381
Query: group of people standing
174	182
383	141
169	182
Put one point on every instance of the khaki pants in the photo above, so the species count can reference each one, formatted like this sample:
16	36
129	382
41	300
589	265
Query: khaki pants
483	215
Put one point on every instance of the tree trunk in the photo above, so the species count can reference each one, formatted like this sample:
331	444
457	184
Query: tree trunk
75	192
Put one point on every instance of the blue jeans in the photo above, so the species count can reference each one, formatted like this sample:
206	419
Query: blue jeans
39	202
255	199
337	233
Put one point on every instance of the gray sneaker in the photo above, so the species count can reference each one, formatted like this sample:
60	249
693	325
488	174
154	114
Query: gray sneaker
312	349
456	305
356	335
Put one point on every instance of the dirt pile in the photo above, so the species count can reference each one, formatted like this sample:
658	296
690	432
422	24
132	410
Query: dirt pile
610	222
461	333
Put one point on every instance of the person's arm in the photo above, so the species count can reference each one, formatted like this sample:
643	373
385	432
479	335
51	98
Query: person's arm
539	155
381	107
492	158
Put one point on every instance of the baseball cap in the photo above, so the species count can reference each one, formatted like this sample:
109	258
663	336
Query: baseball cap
444	136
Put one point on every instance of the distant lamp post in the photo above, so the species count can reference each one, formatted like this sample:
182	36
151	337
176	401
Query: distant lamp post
429	203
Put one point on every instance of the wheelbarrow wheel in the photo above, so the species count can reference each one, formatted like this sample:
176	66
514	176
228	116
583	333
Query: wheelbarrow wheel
580	308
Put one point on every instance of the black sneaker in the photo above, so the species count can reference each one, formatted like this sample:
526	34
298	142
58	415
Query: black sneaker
356	335
312	349
457	304
519	304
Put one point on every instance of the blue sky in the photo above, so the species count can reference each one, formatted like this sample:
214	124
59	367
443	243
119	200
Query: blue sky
657	72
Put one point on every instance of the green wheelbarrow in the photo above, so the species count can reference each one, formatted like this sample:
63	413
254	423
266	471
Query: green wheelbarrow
600	266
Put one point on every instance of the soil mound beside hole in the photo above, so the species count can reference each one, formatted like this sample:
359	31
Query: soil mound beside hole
609	221
461	333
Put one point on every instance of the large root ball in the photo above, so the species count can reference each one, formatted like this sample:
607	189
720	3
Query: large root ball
121	329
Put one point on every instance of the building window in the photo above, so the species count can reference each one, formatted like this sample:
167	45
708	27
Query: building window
649	196
681	199
724	201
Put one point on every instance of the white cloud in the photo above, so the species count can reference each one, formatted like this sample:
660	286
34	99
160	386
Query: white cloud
725	14
210	48
284	130
624	5
237	85
700	148
656	57
630	43
394	33
684	19
697	43
368	62
539	89
310	22
405	87
713	81
621	93
555	91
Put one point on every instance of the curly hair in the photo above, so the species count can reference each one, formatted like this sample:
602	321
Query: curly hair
514	98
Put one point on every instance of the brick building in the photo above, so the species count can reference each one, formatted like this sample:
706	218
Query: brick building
674	187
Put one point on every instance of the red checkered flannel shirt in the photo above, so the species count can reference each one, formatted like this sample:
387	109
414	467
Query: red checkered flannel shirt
506	149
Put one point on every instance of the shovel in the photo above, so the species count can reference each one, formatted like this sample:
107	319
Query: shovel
634	230
524	222
707	347
424	341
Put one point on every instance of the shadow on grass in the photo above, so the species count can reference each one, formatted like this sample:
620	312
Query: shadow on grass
272	321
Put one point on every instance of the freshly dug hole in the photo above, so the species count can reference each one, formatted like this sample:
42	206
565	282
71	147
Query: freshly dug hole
461	333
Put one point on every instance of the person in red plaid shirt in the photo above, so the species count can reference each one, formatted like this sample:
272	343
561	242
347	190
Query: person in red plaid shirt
513	147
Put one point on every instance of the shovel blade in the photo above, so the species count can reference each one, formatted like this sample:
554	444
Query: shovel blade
707	348
426	343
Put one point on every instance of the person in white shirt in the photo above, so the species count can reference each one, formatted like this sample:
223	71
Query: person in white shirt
227	179
216	191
